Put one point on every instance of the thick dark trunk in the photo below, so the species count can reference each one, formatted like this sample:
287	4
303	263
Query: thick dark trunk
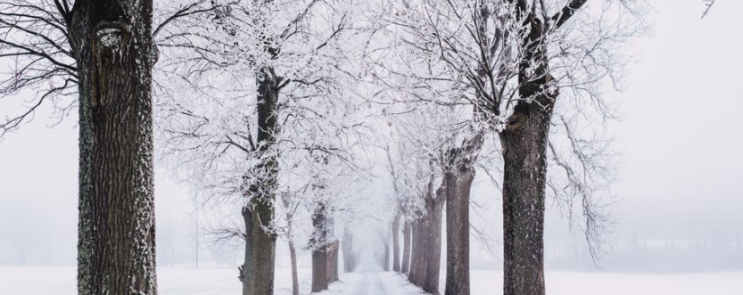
435	209
319	269
295	279
257	273
523	205
113	47
396	243
525	168
324	255
406	247
258	270
458	185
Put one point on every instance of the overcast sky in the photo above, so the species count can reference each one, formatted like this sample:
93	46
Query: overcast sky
680	139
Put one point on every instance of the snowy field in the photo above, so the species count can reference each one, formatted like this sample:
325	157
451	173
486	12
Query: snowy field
369	281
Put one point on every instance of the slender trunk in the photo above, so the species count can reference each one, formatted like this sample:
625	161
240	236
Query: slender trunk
295	279
290	237
458	185
413	248
115	53
525	168
396	243
433	253
257	273
406	247
386	257
348	257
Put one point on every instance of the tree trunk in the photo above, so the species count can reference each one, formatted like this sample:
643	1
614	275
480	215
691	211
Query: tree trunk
433	252
332	264
257	273
319	269
458	185
258	270
406	247
290	237
295	278
525	169
415	239
113	47
424	246
348	256
523	206
418	267
320	249
396	243
387	256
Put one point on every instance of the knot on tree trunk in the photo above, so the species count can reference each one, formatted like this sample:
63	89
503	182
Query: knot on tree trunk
111	37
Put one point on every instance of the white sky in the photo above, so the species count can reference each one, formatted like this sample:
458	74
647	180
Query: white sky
680	140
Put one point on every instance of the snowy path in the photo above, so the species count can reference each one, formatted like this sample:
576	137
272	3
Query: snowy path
371	280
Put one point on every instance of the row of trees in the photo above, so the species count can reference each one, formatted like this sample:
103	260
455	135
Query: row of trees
266	106
517	78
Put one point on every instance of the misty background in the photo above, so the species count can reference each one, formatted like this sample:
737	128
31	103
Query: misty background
679	196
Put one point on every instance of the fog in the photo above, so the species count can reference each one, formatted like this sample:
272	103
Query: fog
679	195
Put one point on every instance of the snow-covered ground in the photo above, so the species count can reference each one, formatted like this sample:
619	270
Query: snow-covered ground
369	281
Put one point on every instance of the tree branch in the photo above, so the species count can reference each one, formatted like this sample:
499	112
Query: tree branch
567	12
709	6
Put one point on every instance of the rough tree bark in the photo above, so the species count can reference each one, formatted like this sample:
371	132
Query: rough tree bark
418	266
458	184
425	267
396	243
406	247
257	272
525	142
332	263
319	269
435	209
112	44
